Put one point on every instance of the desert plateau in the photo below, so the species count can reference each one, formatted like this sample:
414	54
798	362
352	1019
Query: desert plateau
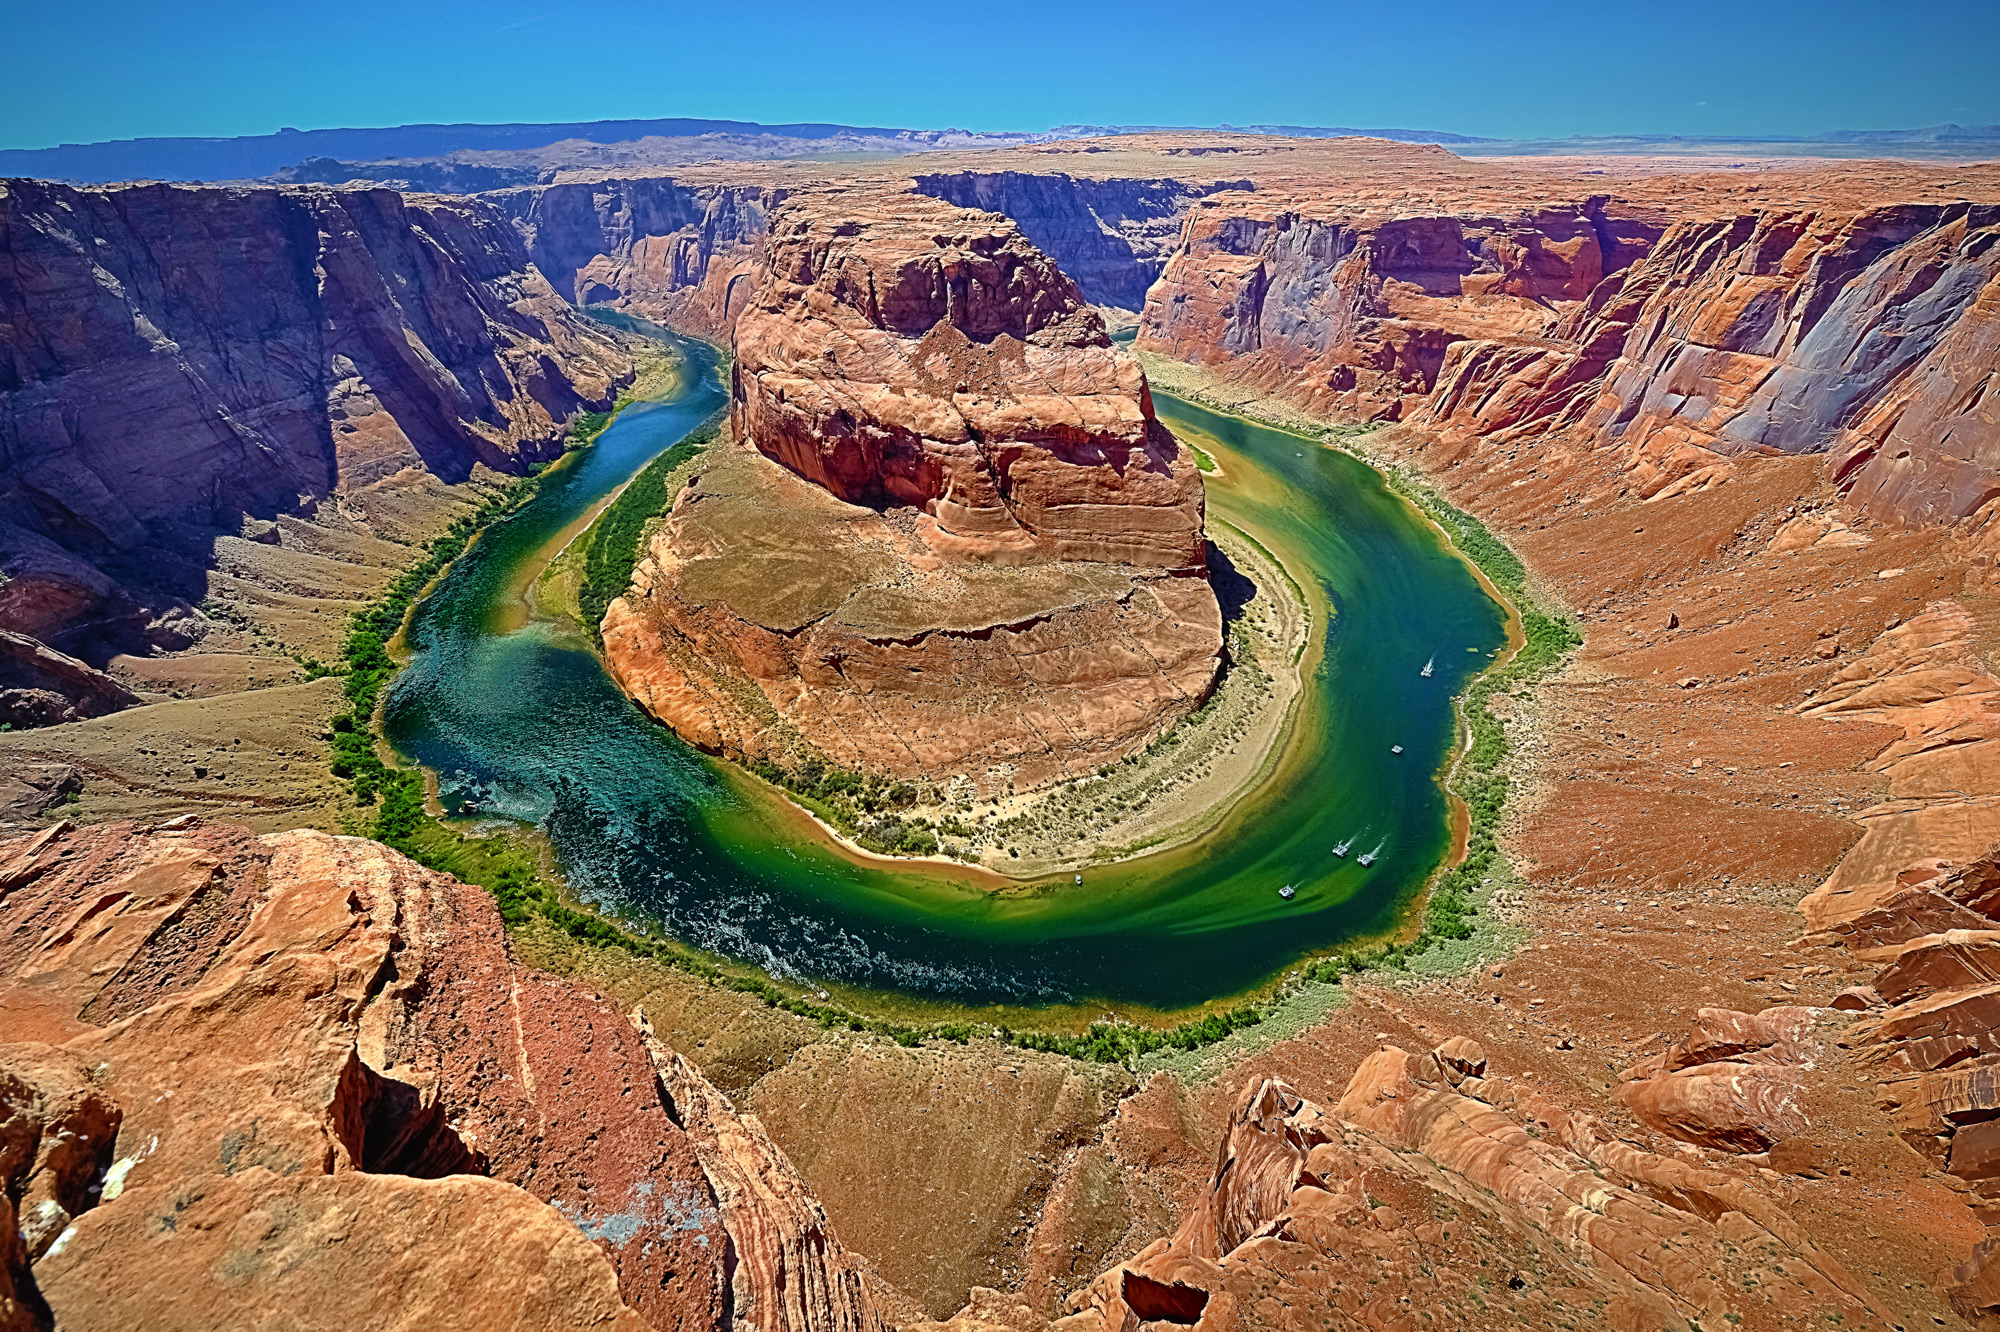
1153	725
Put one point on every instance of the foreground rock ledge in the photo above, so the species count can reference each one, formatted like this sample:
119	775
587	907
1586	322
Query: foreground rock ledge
298	1080
953	540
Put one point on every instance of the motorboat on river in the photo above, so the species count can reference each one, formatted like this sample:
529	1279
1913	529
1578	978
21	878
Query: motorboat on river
1288	891
1368	857
1341	850
1429	666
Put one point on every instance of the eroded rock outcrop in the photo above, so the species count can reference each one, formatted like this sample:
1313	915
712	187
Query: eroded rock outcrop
686	254
1736	1082
953	539
40	686
295	1072
173	358
1426	1187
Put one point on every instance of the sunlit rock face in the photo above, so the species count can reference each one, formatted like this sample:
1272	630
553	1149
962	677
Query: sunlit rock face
949	536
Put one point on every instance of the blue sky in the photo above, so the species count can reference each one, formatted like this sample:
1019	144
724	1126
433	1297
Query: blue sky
130	68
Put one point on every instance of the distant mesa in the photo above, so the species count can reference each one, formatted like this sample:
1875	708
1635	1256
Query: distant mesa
287	154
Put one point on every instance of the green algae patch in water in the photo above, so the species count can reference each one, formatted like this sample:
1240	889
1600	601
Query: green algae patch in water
523	724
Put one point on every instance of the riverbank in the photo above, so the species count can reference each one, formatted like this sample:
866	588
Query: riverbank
1171	793
1470	912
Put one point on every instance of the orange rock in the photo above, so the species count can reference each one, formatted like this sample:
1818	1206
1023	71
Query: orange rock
1410	1195
311	1054
1734	1083
963	544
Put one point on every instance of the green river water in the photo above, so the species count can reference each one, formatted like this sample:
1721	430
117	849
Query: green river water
523	724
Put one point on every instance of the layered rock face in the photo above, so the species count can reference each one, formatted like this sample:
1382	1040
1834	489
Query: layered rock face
300	1078
1674	323
954	539
685	254
1112	235
1810	331
1428	1187
1351	310
175	358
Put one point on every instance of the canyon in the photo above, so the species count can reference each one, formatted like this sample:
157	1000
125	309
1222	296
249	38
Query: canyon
194	374
1736	1071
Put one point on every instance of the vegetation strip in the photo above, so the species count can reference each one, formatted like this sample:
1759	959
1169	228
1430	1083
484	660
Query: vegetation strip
619	538
510	871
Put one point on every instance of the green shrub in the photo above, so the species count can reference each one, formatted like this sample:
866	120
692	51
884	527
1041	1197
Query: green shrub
618	537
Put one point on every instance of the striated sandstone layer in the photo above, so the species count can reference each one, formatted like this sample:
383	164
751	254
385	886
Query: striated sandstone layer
1428	1190
1112	235
686	254
953	540
271	1077
176	360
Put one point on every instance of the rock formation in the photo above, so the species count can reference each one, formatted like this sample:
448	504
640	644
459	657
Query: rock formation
1676	324
301	1076
1112	235
685	254
954	539
1734	1083
1429	1186
1351	310
173	359
40	686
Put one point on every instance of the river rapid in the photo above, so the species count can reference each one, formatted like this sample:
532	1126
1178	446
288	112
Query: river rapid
520	722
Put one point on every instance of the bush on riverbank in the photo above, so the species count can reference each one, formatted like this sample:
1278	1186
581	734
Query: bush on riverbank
367	666
1548	639
618	537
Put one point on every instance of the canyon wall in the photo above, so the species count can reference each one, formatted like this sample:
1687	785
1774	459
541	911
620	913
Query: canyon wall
686	255
1112	235
1350	310
174	359
953	539
1862	332
299	1078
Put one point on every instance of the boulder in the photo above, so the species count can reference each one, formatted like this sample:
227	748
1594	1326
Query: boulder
42	687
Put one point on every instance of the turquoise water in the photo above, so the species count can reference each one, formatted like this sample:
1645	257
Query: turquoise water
524	724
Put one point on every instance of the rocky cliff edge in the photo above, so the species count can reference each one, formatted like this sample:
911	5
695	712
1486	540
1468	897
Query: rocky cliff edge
300	1078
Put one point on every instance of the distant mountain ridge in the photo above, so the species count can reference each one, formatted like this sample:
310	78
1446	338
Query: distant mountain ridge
250	156
521	152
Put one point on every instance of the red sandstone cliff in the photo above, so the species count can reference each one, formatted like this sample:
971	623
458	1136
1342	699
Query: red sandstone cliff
1672	327
1350	308
173	358
686	254
1112	235
997	568
298	1080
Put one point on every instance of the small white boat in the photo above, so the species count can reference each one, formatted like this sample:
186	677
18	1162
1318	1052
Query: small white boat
1341	850
1287	891
1395	749
1368	857
1428	667
1079	878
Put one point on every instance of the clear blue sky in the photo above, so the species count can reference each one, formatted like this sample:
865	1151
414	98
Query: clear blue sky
80	72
